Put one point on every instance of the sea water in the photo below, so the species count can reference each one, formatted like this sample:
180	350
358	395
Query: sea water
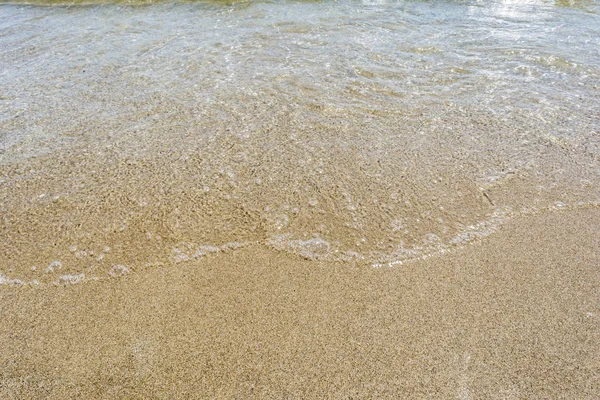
142	134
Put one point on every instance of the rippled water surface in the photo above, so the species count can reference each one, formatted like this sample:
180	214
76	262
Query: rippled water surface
138	135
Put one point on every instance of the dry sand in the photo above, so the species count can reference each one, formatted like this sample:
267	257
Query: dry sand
516	315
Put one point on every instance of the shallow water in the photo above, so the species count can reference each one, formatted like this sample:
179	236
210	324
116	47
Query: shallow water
138	135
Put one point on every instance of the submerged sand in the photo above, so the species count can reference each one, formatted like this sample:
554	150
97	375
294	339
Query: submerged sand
513	316
376	199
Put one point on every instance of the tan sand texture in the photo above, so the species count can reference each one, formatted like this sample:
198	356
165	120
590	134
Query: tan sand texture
514	316
300	199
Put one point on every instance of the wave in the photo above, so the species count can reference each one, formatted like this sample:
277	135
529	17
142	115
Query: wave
313	249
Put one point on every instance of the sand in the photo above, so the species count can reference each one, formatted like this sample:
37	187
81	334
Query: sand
372	199
514	315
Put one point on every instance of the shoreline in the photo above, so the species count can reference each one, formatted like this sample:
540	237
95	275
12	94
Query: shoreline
514	315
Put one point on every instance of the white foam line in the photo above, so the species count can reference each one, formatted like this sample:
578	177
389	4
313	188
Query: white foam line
474	233
5	280
70	279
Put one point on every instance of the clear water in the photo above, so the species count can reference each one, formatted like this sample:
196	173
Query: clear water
370	132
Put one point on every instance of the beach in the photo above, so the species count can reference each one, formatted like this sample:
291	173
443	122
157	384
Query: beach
516	316
330	199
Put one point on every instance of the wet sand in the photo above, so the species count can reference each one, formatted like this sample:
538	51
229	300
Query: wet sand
515	315
350	199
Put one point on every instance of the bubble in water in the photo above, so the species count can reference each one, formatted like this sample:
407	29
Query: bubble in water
204	250
312	249
54	265
179	255
70	279
4	280
118	270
